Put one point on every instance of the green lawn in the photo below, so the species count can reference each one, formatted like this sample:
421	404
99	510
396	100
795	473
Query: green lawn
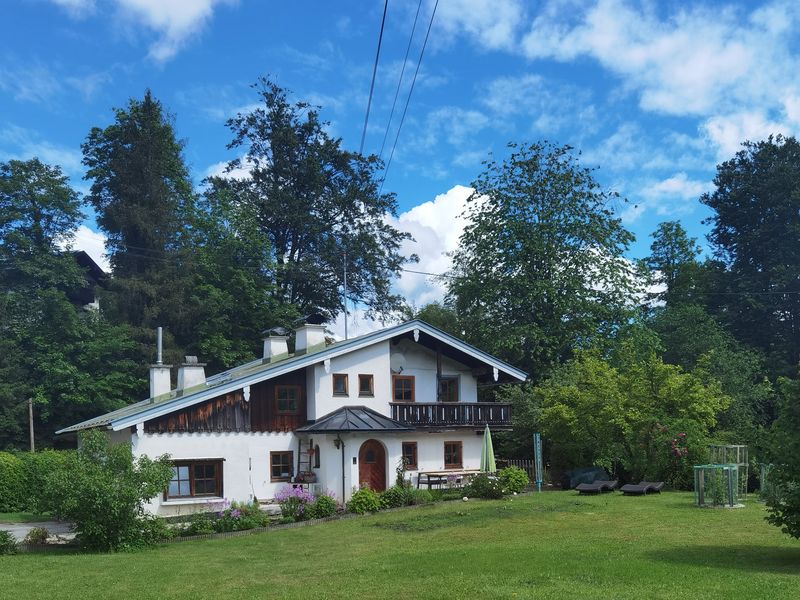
551	545
22	517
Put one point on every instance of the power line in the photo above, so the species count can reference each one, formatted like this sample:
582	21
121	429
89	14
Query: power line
408	99
400	81
374	73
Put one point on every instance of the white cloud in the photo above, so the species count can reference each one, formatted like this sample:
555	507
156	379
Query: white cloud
28	83
679	186
695	61
23	144
94	244
436	227
493	25
77	9
175	21
727	132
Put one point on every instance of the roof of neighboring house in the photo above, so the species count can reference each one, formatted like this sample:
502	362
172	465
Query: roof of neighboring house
258	371
354	418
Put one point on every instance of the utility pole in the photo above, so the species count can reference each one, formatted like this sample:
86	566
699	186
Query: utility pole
30	422
345	293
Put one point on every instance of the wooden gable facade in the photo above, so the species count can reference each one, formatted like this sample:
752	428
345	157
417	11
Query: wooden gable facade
275	405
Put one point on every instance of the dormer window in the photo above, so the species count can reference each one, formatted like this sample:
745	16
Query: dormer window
340	384
366	385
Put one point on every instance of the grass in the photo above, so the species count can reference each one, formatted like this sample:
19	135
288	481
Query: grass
551	545
22	517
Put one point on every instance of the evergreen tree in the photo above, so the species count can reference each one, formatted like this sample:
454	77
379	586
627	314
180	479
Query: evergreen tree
673	263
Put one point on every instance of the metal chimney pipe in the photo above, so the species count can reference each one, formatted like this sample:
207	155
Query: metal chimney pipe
159	359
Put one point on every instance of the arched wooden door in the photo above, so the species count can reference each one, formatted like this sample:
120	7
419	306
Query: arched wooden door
372	465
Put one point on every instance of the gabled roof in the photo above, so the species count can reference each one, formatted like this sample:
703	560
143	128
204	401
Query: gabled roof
354	418
258	371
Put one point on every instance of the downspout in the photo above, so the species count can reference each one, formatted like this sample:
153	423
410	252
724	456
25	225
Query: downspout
340	443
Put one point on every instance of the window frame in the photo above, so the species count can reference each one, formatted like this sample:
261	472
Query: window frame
460	463
396	378
410	466
455	381
272	455
191	463
345	377
299	391
371	379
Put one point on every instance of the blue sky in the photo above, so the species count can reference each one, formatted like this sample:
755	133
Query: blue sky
653	93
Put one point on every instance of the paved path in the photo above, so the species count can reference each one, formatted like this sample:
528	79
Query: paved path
20	530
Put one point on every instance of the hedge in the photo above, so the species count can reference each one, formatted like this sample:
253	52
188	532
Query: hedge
23	478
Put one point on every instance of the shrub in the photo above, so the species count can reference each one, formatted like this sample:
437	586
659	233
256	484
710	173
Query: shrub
363	501
200	524
395	497
513	479
37	536
420	496
286	520
12	483
293	502
154	530
8	544
239	517
485	486
102	489
323	506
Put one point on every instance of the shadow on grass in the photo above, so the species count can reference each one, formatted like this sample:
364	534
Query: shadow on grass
765	559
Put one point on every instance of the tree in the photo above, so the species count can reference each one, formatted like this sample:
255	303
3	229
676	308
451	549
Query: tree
442	316
756	237
673	262
539	269
784	478
71	362
318	205
144	202
103	491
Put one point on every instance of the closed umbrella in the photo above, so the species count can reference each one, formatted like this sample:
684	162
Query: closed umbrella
487	453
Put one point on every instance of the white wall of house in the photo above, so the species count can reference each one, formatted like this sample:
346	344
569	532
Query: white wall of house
420	362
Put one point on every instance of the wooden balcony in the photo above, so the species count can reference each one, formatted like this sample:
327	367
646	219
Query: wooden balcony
445	415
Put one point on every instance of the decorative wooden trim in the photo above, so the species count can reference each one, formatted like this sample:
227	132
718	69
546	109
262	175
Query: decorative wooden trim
404	378
371	379
340	377
460	463
291	465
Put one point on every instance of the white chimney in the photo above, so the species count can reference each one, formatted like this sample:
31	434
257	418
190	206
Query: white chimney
191	373
309	338
275	346
160	382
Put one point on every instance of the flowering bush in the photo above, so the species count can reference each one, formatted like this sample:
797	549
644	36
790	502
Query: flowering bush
485	486
293	502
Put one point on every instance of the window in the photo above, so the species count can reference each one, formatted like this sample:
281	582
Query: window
281	466
403	388
410	455
340	384
195	479
287	399
366	385
452	455
448	389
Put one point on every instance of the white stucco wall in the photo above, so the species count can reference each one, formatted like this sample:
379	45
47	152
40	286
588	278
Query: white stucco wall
420	362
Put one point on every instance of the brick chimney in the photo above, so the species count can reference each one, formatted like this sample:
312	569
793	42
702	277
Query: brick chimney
191	373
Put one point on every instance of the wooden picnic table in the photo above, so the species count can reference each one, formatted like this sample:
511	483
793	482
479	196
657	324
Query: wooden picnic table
440	477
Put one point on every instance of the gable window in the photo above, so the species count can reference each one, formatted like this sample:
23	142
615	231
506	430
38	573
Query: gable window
287	399
403	388
410	455
340	384
453	456
366	385
448	389
281	466
196	478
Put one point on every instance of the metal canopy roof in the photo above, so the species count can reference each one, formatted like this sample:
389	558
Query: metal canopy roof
354	418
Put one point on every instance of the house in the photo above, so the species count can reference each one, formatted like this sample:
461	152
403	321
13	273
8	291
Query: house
329	417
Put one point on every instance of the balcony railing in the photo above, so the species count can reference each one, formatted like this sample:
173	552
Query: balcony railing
455	414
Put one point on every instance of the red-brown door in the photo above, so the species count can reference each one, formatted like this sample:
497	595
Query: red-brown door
372	465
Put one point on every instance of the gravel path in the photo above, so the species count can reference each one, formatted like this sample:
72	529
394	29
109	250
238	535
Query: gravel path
20	530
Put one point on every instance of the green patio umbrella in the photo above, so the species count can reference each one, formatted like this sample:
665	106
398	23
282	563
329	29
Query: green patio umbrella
487	453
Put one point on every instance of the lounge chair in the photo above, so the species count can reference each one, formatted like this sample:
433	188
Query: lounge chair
642	488
596	487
